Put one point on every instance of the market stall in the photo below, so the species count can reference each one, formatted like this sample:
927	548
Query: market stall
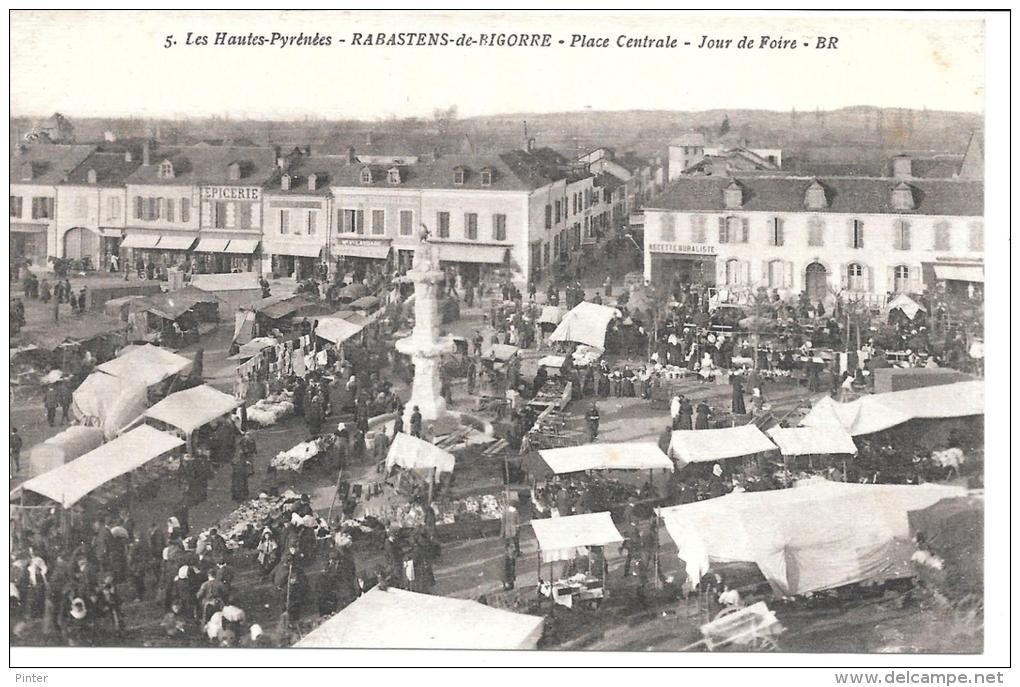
586	323
109	403
577	543
398	619
174	317
788	533
72	443
336	330
706	446
297	457
412	453
811	448
148	364
186	411
268	411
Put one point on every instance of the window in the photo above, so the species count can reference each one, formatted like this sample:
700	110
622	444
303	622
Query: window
814	197
230	215
284	221
160	208
185	209
471	226
366	176
545	254
81	207
166	170
548	216
734	229
667	227
16	206
486	177
42	208
976	239
733	196
816	232
733	272
903	197
855	277
499	227
901	235
458	176
393	176
942	236
168	213
901	279
856	234
776	231
352	221
556	212
406	222
698	229
113	207
443	224
310	221
776	271
378	222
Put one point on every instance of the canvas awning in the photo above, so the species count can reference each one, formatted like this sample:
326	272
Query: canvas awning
413	453
627	456
398	619
253	348
365	303
208	245
148	364
23	228
905	303
566	537
555	361
804	441
789	533
337	330
140	241
375	251
71	482
108	402
469	252
175	242
229	281
192	408
878	412
709	445
586	323
551	314
971	273
297	249
173	304
242	246
500	352
352	291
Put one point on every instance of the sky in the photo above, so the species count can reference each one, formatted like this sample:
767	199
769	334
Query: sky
115	64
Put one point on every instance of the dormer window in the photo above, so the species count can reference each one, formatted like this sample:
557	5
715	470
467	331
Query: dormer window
903	197
166	169
733	196
285	182
366	176
458	176
814	197
234	171
486	177
393	175
91	176
313	181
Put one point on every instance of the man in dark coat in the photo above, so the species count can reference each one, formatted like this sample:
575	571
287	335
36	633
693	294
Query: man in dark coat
593	422
701	419
416	422
738	407
684	416
51	402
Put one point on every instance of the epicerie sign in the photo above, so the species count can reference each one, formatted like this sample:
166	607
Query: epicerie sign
682	248
231	193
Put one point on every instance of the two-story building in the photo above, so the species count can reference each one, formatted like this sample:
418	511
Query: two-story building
36	170
198	202
92	208
865	236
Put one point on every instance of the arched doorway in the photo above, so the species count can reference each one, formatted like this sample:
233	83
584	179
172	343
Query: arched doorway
816	282
79	243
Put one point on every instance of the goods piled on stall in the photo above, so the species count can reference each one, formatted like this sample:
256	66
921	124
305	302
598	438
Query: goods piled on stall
295	458
268	411
252	515
585	355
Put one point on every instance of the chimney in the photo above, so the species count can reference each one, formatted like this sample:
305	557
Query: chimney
277	152
145	154
313	181
351	157
531	144
128	157
285	182
902	167
281	162
368	138
91	176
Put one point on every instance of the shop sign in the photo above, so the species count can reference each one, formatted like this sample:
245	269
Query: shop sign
682	248
253	193
361	242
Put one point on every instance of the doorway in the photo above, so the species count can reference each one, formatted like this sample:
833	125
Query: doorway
816	282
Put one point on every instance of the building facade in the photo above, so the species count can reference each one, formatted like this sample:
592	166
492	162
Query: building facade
866	237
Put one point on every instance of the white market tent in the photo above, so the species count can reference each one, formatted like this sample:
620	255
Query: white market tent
149	364
565	538
413	453
190	409
336	330
586	323
73	442
709	445
398	619
71	482
813	537
552	361
878	412
108	402
906	304
626	456
805	441
551	314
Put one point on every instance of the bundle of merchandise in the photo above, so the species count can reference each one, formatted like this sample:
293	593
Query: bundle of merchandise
268	411
295	458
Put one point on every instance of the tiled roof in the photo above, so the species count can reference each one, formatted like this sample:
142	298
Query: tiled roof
49	163
691	138
844	195
326	169
111	169
209	165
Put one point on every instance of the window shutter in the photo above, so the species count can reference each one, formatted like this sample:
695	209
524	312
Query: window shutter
915	280
766	273
789	274
720	272
207	218
890	275
745	229
138	207
869	273
256	214
850	234
844	277
745	276
780	239
722	230
905	236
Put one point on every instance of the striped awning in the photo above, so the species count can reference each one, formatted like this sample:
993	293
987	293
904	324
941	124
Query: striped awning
971	273
24	228
140	241
208	245
242	246
300	250
175	242
468	252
